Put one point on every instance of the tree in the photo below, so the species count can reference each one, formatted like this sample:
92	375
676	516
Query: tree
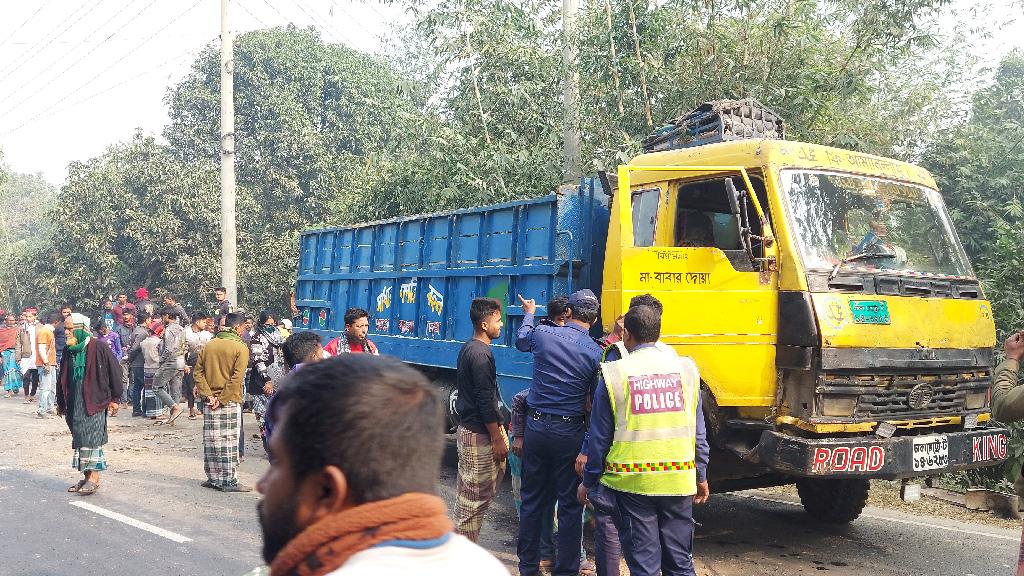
25	203
318	128
134	216
979	165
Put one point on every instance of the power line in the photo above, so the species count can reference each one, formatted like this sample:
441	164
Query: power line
255	17
94	48
9	72
274	8
317	23
350	15
22	25
133	50
55	108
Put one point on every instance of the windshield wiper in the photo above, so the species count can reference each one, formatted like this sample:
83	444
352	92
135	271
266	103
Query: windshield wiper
856	257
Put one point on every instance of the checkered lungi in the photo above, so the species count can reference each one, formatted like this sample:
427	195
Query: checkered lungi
220	443
86	459
479	478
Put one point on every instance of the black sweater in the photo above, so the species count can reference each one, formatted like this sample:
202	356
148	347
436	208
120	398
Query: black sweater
477	381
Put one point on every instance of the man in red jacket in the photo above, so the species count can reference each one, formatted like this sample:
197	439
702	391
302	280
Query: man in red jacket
89	384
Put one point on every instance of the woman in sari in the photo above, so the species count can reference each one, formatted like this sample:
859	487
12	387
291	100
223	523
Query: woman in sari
89	386
11	370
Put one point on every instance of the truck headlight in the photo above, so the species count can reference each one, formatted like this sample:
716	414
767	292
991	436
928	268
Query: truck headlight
838	405
976	400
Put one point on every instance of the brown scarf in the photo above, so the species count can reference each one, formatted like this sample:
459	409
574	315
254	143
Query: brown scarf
325	546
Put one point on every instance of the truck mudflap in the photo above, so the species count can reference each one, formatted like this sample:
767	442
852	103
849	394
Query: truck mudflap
886	458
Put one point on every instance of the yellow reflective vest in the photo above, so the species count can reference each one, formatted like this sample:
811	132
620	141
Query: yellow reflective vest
653	394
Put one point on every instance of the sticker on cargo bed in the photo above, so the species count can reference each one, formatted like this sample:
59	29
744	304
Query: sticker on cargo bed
870	312
847	459
930	452
656	393
384	299
434	328
435	299
407	292
988	447
406	326
382	324
305	317
323	318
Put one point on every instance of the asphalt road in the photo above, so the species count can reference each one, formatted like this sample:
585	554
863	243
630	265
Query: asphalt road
164	524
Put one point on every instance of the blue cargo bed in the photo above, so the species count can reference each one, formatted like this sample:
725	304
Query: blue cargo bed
416	276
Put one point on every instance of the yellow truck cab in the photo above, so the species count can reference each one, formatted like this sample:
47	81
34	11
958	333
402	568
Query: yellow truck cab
840	332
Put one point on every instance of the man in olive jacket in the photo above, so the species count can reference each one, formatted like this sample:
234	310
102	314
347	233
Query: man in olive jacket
1008	403
218	373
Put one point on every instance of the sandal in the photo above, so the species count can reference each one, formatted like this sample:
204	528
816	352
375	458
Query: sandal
170	421
76	487
88	488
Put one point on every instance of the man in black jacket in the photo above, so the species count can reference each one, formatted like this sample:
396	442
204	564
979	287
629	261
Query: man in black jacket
482	444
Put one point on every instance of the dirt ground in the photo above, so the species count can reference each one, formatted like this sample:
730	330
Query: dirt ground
886	494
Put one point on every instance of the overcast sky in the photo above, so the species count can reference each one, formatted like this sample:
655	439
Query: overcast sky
79	75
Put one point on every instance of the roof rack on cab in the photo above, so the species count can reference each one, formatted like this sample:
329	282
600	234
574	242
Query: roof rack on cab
717	121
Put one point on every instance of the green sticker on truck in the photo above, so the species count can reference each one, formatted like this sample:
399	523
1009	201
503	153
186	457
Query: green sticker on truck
870	311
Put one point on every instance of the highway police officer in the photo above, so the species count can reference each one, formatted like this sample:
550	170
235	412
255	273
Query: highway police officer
648	445
565	365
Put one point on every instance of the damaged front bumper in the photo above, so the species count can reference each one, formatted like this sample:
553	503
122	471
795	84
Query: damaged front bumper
885	458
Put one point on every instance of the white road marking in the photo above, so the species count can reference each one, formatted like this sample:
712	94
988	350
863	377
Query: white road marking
898	520
132	522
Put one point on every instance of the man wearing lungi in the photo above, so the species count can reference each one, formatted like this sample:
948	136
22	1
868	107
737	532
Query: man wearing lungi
219	374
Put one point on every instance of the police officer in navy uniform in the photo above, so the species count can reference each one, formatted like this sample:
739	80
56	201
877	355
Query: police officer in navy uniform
565	364
648	445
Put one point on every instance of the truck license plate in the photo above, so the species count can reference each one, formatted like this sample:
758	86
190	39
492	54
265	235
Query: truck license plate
931	452
870	311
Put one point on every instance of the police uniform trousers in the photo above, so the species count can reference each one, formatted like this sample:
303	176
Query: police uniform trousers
607	549
550	446
656	533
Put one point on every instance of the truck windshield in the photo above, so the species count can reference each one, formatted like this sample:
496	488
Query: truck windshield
855	222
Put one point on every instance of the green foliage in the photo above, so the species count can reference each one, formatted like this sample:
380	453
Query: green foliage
134	216
25	200
979	165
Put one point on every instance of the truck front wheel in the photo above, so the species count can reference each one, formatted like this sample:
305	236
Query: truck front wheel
836	501
449	394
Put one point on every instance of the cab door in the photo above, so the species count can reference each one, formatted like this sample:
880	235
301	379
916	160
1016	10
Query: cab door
675	234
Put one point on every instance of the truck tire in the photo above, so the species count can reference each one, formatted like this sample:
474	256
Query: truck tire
833	501
449	393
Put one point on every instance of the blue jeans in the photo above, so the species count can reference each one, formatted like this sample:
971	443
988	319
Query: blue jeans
550	447
656	533
47	389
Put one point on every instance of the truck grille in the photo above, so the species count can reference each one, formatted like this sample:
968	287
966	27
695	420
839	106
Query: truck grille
906	394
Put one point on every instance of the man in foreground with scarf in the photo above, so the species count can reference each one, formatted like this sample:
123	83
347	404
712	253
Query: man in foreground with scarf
219	372
89	384
355	457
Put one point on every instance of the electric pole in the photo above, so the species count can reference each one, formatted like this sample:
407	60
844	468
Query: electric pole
228	241
571	170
